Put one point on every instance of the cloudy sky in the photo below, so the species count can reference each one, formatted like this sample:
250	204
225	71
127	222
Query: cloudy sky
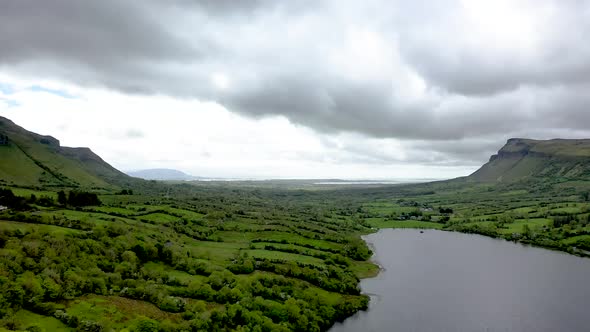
297	89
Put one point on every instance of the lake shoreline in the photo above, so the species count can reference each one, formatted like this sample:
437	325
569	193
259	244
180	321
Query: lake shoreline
372	260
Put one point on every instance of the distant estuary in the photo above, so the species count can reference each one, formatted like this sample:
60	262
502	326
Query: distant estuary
444	281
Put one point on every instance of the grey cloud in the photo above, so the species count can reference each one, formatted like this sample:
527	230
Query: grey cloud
95	32
106	43
298	59
449	52
222	7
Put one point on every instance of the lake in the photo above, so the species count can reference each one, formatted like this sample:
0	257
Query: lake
445	281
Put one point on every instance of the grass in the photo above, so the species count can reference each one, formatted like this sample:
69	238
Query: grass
115	312
382	223
258	253
518	225
365	269
23	192
49	324
575	239
181	276
49	229
16	167
160	218
289	237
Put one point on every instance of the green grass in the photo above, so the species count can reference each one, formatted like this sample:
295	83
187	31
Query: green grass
386	208
257	253
185	213
213	251
574	239
382	223
92	217
365	269
115	312
571	210
17	168
182	276
297	239
518	225
23	192
160	218
112	209
50	229
48	324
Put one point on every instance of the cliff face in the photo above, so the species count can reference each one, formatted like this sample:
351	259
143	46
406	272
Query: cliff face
522	159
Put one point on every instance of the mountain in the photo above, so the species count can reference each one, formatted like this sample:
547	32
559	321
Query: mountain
163	174
525	159
27	158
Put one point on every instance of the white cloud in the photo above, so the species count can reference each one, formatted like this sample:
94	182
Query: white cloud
138	132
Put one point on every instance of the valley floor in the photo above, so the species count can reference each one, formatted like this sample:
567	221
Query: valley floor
244	258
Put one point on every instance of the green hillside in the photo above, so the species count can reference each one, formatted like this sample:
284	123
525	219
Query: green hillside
30	159
526	159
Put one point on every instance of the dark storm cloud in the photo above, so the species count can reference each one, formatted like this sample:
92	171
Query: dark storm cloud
450	83
107	43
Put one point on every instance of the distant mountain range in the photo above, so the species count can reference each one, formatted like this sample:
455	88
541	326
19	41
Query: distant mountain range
162	174
30	159
527	159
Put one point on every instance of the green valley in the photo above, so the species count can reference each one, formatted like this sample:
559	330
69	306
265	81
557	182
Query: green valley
84	247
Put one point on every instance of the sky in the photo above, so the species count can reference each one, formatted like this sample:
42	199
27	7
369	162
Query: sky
372	89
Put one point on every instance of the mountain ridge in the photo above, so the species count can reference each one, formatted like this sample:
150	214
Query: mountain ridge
523	159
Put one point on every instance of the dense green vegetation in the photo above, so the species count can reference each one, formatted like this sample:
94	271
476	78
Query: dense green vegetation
234	257
554	215
184	258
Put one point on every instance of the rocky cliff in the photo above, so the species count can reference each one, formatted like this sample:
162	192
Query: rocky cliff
522	159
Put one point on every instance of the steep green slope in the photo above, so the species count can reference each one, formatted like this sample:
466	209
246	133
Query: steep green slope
27	158
526	159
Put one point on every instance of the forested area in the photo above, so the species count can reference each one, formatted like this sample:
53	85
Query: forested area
205	259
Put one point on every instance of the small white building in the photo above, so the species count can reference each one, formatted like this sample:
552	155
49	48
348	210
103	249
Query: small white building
2	207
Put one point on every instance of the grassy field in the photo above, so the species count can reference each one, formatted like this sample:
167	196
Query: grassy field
553	216
381	223
48	324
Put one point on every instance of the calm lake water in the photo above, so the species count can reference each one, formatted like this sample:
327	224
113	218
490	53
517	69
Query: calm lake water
443	281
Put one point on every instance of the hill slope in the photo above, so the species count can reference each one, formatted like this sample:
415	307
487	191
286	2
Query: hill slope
27	158
524	159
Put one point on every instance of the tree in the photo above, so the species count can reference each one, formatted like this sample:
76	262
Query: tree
82	199
61	197
526	231
147	325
